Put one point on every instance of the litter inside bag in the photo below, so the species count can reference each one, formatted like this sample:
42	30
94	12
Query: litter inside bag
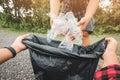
52	63
67	24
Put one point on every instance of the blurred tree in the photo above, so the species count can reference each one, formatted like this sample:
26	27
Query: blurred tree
13	10
26	14
115	1
41	9
19	5
108	18
31	15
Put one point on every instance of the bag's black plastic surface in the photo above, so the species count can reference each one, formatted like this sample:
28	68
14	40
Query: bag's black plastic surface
51	63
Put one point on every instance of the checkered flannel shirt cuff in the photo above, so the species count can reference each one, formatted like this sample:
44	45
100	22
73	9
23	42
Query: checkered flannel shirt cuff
111	72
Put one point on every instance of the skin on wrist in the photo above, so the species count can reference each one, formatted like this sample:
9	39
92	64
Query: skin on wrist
110	59
16	48
88	16
53	15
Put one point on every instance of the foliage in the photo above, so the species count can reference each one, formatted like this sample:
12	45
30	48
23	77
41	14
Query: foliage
40	18
31	15
108	20
28	15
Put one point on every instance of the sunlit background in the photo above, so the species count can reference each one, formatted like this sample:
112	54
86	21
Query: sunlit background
30	16
105	3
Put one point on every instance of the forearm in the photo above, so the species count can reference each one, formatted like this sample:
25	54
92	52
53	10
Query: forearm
110	58
5	55
91	8
54	8
11	51
8	52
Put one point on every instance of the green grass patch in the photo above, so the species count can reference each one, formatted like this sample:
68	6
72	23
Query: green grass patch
94	38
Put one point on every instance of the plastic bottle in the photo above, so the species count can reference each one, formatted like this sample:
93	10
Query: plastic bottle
57	28
72	29
65	23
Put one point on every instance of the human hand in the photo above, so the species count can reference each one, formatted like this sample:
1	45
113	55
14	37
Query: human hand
111	47
84	22
18	45
71	36
53	17
110	54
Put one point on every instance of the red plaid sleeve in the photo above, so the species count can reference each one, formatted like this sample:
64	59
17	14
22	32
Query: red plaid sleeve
111	72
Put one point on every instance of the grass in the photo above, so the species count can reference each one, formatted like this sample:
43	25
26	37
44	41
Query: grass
94	38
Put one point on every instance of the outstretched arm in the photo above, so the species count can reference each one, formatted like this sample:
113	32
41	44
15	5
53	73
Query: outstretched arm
6	54
90	11
54	10
111	65
110	55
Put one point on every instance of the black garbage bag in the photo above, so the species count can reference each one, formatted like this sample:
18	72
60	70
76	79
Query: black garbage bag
52	63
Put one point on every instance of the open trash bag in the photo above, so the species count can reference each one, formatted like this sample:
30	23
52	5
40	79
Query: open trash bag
52	63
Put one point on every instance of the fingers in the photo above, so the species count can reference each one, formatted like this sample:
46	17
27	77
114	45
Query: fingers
111	41
51	22
84	22
23	36
111	47
63	34
81	22
18	45
53	17
26	35
110	54
72	37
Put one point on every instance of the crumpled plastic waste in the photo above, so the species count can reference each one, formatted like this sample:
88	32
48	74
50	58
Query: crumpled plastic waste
65	23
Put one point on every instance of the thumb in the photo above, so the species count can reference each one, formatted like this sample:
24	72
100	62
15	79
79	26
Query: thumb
81	22
25	35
